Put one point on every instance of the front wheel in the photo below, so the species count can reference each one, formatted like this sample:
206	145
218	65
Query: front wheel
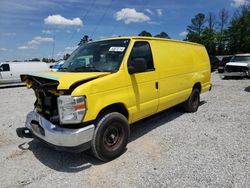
111	136
193	102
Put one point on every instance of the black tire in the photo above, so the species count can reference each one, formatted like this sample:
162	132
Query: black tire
111	136
193	102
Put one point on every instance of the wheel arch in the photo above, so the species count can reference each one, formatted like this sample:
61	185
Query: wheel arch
197	85
115	107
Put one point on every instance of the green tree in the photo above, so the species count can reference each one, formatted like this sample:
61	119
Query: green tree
35	59
223	17
211	19
162	35
47	60
145	34
85	39
230	38
203	33
196	28
239	32
208	39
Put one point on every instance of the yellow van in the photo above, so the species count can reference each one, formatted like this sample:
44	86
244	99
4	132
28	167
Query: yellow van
106	85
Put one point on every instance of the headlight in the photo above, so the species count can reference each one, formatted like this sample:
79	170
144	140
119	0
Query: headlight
71	109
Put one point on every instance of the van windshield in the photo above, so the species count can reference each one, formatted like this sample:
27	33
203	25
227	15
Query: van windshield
241	59
102	56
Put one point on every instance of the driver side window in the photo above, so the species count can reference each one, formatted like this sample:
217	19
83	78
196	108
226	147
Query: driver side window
5	67
142	50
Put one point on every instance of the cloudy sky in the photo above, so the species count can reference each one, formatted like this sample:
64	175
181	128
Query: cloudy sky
32	28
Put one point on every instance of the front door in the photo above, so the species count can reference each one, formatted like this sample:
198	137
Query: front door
145	85
6	75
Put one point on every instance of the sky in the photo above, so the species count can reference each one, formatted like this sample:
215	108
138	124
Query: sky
52	28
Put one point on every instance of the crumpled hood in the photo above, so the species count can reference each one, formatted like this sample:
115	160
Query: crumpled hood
238	64
67	79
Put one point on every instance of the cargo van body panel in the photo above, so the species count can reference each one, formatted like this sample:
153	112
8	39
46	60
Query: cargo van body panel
180	66
145	94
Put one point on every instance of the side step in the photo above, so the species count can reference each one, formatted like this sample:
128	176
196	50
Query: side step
23	132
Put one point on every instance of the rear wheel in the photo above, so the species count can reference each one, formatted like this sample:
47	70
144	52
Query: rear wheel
193	102
111	136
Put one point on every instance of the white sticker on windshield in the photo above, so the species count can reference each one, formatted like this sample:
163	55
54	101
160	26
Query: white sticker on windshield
116	49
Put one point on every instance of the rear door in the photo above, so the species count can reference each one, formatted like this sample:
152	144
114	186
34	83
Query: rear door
145	85
6	74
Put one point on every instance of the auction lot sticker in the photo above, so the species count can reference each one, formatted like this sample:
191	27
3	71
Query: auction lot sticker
116	49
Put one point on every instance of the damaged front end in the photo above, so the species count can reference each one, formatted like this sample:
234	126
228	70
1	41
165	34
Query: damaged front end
54	111
46	96
237	70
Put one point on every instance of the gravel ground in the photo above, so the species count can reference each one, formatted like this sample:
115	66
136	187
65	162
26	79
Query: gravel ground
209	148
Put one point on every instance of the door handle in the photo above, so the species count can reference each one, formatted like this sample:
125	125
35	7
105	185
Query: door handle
157	85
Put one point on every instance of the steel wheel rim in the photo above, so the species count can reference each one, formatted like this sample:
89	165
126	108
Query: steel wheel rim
112	137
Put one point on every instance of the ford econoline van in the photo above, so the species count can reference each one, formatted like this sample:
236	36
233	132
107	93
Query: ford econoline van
109	84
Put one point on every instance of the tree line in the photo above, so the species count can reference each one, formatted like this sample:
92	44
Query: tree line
46	60
221	34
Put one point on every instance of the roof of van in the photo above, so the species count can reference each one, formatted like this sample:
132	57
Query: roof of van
149	38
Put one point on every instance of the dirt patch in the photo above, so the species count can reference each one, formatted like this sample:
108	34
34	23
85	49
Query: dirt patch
16	153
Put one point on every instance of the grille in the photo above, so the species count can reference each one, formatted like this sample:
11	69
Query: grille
46	104
236	68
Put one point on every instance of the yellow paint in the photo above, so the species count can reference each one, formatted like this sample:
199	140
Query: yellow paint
67	79
178	66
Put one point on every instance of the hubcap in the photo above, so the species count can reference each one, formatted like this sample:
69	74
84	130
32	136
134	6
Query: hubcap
111	136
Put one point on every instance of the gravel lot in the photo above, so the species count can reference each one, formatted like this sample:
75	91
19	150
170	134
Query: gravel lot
209	148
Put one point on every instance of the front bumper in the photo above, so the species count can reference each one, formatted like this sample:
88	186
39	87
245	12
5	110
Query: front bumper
62	138
220	69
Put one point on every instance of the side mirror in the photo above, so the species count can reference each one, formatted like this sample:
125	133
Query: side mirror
137	65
